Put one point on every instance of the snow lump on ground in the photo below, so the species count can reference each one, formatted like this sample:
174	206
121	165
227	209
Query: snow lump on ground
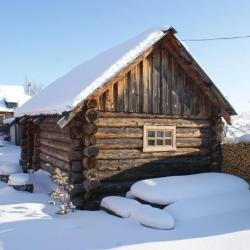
165	190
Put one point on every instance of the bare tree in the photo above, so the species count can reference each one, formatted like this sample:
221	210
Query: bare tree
32	87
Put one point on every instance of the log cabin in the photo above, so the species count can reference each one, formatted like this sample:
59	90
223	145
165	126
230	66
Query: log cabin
142	109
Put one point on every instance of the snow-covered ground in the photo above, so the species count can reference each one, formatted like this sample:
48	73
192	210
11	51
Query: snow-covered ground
28	222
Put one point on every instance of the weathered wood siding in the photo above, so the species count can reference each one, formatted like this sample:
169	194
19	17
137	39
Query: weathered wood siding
156	85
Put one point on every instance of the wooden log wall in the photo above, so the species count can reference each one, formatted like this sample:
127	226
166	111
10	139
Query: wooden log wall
121	161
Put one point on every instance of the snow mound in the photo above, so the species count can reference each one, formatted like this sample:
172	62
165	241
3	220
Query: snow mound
42	182
19	179
9	168
124	207
154	217
244	138
209	205
165	190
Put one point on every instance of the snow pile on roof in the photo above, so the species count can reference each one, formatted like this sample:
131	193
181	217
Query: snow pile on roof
165	190
19	179
69	90
209	205
240	126
12	93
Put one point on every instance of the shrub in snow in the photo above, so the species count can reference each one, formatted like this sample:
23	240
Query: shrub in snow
21	182
154	217
121	206
61	193
166	190
209	205
7	169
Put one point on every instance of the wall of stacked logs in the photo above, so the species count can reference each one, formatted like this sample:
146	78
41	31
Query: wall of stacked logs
121	160
236	159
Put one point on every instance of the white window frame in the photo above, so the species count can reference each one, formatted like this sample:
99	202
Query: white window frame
155	148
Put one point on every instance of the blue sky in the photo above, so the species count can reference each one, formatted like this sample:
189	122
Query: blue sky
44	39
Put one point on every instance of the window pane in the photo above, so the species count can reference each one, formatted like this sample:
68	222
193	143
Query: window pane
168	133
168	142
151	133
160	133
151	142
159	142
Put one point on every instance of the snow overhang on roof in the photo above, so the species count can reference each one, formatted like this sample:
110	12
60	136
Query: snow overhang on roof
68	91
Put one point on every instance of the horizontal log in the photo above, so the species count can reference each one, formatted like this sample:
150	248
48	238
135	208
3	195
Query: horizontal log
119	143
91	115
50	127
177	161
139	122
89	140
55	136
135	143
90	151
89	128
56	163
76	144
76	133
76	166
56	153
89	162
91	103
138	154
90	173
108	188
55	144
75	155
122	132
157	170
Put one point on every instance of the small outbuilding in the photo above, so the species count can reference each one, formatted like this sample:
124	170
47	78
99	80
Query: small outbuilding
142	109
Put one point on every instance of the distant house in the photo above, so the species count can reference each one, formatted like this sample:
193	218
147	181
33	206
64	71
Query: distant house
11	97
142	109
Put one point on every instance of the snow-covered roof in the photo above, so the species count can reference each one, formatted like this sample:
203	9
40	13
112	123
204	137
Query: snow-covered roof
69	90
13	94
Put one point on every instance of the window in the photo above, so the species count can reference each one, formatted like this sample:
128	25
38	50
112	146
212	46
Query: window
159	138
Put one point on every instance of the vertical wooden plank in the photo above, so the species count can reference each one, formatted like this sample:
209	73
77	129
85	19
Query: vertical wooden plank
164	79
145	81
156	75
137	87
186	98
120	97
174	94
115	96
169	81
108	98
132	90
126	92
141	88
101	102
150	92
179	90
